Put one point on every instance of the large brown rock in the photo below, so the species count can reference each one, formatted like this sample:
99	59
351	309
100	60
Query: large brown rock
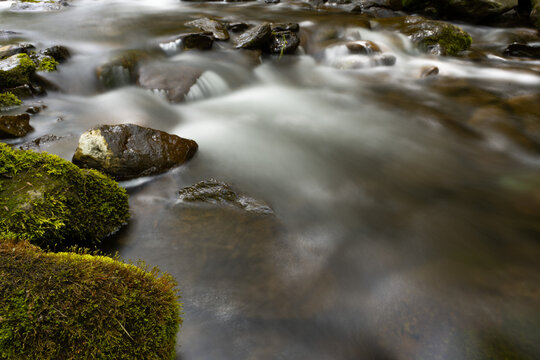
128	151
13	126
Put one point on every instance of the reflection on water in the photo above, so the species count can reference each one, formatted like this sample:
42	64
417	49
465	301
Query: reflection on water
400	231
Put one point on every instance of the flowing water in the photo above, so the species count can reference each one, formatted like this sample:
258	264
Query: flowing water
400	231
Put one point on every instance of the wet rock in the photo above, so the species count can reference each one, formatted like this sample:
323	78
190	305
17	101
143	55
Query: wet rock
294	27
16	70
386	60
14	126
58	52
121	69
427	71
37	144
282	42
10	50
470	10
237	27
434	37
272	1
363	47
522	50
215	27
255	38
128	151
35	109
38	5
23	91
173	79
216	192
8	100
199	41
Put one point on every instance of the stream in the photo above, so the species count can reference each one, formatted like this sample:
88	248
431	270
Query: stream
405	226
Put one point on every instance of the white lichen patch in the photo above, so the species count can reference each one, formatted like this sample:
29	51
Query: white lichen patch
94	145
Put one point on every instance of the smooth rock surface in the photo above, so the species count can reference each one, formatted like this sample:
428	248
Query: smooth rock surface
128	151
14	126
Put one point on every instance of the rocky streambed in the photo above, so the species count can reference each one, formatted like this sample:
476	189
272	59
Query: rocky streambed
323	179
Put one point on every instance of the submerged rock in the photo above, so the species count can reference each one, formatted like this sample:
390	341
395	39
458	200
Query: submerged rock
14	126
53	203
363	47
255	38
216	192
128	151
53	300
173	79
218	30
36	144
434	37
121	69
522	50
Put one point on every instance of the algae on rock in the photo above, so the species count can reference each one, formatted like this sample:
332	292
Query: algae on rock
79	306
53	203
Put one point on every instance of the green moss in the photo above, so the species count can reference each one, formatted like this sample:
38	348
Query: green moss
7	99
19	75
73	306
53	203
451	38
47	64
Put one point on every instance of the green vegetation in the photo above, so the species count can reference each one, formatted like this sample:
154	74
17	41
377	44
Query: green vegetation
451	39
79	306
8	99
47	64
53	203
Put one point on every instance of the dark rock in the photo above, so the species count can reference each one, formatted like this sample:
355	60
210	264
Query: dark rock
38	5
10	50
173	79
363	47
237	27
522	50
215	27
255	38
128	151
35	109
470	10
283	43
294	27
385	60
199	41
36	144
381	12
272	1
434	37
121	69
14	126
215	192
535	13
429	71
58	53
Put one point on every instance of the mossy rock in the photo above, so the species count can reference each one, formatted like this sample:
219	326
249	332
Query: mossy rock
75	306
435	37
8	99
53	203
16	70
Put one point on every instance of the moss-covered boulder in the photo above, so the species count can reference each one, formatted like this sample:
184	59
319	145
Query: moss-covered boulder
434	37
72	306
16	70
53	203
8	99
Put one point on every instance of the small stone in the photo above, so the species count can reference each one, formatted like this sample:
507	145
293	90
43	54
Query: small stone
429	71
215	27
199	41
363	47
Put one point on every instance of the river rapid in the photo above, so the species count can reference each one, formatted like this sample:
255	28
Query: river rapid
404	225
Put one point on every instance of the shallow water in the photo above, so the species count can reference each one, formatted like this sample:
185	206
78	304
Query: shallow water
400	232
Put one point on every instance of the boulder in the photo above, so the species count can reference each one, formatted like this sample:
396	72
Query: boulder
282	42
173	79
218	30
14	49
53	203
16	70
79	306
14	126
218	193
129	151
431	36
58	52
198	41
255	38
